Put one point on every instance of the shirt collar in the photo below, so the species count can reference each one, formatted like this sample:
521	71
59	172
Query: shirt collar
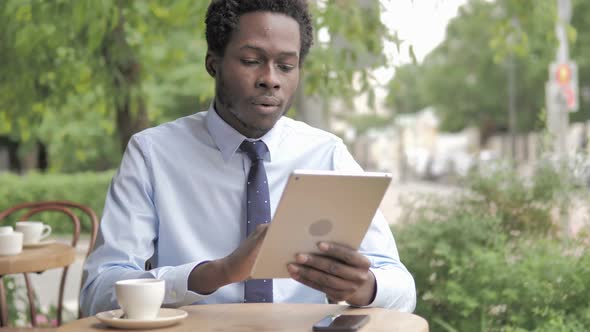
228	139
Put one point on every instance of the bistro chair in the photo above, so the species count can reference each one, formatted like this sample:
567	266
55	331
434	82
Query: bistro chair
65	207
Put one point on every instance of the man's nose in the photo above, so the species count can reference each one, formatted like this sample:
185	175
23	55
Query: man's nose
268	78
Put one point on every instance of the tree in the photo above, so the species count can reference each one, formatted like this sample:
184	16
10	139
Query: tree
340	68
468	74
83	76
76	73
465	78
406	93
580	53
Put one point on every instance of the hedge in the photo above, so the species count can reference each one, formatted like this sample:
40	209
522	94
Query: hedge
85	188
489	260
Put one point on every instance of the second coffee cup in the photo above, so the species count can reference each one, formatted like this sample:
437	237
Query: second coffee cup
33	231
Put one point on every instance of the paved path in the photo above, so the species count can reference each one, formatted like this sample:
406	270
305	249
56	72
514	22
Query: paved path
398	193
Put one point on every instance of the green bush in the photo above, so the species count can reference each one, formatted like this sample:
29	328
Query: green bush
86	188
491	260
521	204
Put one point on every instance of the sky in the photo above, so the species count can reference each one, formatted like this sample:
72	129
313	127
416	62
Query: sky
420	23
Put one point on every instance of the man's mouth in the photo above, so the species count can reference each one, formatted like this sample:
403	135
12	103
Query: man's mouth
267	102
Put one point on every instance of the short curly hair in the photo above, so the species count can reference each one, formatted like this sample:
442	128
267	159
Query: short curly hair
223	18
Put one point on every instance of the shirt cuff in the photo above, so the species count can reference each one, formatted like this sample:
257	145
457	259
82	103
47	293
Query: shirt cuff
394	290
177	292
381	297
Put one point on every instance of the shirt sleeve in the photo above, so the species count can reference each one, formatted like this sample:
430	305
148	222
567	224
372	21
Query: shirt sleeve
395	285
127	238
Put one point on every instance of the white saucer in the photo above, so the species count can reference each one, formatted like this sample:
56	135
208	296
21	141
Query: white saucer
38	244
166	317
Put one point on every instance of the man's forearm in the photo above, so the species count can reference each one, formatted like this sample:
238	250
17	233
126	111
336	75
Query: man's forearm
206	278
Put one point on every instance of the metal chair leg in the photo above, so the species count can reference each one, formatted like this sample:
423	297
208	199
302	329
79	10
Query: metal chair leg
3	305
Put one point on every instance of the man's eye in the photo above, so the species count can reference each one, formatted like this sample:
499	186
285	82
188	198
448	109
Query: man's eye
286	68
250	62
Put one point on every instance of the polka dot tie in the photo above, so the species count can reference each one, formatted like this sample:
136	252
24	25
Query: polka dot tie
257	212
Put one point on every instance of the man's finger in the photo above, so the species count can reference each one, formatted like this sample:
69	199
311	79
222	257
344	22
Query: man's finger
345	254
331	293
332	266
323	280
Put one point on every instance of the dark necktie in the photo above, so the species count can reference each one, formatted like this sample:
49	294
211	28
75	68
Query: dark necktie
257	212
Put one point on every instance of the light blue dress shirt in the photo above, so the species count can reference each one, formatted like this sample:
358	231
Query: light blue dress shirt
178	199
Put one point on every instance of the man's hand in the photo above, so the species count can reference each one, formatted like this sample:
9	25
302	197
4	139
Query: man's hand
339	271
238	265
208	277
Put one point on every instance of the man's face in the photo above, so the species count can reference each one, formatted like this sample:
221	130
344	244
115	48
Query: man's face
256	79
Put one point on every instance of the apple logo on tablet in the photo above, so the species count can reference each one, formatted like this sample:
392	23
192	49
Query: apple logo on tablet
321	227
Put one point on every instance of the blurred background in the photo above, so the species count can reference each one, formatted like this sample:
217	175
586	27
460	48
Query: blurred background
480	109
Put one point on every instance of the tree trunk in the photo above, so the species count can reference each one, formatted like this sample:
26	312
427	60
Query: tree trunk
487	129
310	109
131	112
130	121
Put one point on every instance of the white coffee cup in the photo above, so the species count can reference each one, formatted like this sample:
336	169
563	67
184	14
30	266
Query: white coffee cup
33	231
11	243
6	229
140	298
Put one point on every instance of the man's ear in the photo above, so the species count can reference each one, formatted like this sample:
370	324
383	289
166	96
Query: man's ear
211	63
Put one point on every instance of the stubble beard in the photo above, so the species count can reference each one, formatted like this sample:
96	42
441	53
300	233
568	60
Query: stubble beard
225	102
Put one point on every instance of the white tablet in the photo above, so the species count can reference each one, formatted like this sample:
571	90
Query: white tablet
319	206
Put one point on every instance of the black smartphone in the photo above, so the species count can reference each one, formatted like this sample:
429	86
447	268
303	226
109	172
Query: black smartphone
336	323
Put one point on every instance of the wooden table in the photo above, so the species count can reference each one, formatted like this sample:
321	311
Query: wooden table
269	317
33	260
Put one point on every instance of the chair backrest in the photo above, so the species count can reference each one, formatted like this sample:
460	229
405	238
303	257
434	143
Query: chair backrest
32	208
